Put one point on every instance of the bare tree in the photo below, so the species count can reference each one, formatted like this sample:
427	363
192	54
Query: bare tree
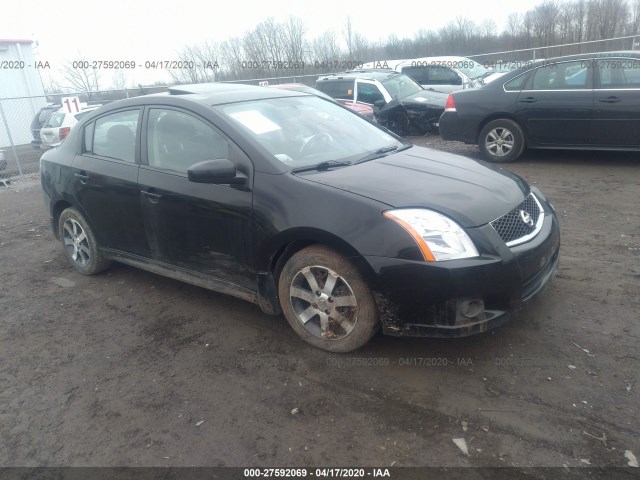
50	85
325	48
514	24
271	47
544	19
349	37
264	48
200	62
634	23
607	17
81	77
634	18
119	79
295	45
232	57
488	28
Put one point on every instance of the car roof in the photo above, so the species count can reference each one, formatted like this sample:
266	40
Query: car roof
579	56
209	94
585	56
301	87
221	93
367	74
443	58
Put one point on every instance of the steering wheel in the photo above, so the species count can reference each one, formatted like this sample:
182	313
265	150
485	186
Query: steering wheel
320	139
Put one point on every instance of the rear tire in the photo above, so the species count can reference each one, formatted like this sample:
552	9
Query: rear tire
326	301
501	141
79	243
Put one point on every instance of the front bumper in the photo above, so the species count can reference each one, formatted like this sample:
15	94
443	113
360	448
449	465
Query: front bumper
429	299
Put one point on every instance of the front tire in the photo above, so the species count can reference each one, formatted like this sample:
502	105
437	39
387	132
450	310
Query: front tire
326	301
501	141
79	243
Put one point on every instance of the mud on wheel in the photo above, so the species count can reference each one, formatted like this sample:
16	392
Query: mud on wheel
326	301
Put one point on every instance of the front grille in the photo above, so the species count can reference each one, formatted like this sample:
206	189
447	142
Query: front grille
513	229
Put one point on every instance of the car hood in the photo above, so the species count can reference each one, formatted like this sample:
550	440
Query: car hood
469	191
426	97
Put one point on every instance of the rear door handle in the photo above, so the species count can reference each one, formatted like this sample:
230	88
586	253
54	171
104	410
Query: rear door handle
153	197
82	175
609	100
528	100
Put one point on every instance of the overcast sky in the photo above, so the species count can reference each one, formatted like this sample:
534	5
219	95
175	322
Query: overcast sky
150	30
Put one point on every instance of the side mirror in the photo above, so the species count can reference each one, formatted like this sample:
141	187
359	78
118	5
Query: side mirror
379	103
221	172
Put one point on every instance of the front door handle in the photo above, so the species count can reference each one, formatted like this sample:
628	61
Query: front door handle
82	175
528	100
153	197
611	99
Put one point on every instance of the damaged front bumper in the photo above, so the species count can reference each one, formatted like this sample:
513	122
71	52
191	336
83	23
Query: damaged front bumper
416	115
461	298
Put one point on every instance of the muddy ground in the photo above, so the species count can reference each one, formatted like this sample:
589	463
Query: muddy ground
128	368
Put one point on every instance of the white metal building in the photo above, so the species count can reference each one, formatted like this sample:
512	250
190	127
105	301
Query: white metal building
21	91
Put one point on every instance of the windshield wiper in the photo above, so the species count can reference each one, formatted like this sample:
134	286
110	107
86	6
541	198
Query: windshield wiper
381	152
322	166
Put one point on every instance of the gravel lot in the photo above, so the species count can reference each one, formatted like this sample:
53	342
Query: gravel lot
132	369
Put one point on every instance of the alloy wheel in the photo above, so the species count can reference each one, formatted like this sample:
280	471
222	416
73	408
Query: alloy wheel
76	242
323	302
499	141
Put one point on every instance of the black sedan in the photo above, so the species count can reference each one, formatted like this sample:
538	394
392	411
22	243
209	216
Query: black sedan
578	102
299	205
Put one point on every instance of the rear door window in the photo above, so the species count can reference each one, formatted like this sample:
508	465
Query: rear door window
114	135
55	120
562	76
618	73
338	88
516	84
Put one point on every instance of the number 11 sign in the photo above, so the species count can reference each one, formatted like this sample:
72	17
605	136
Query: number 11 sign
71	104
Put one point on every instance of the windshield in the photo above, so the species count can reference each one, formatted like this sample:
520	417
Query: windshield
472	69
55	120
305	131
401	86
44	114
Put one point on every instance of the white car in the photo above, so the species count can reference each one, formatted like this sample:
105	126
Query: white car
442	74
59	125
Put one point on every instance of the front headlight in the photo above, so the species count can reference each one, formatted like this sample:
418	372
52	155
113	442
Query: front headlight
438	237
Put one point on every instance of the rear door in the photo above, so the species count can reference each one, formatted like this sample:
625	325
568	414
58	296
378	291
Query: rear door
105	181
616	117
197	226
556	105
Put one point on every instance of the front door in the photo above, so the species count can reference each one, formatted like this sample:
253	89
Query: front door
201	227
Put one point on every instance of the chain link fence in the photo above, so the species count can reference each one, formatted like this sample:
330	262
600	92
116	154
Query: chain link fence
516	58
20	118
